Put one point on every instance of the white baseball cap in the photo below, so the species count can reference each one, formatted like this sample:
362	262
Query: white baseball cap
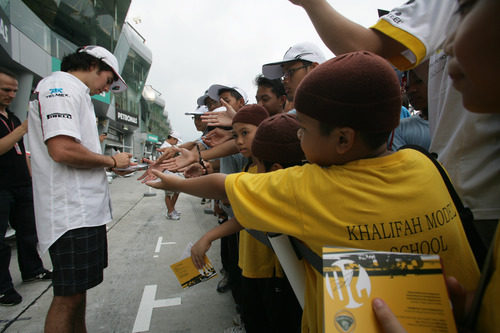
201	99
201	109
301	51
175	135
109	59
213	92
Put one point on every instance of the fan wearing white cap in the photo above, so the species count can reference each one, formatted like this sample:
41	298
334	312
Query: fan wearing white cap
70	189
297	62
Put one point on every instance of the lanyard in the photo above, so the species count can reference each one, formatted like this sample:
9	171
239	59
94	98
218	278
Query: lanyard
16	145
6	125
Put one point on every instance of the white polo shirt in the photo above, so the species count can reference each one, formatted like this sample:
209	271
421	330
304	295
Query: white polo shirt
65	198
467	143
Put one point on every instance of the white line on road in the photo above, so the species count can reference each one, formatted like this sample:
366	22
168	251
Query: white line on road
148	303
159	244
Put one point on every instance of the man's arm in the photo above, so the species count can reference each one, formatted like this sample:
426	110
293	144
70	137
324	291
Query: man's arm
64	149
210	186
342	35
8	141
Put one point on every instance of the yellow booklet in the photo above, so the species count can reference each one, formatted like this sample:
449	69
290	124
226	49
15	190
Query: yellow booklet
412	285
188	275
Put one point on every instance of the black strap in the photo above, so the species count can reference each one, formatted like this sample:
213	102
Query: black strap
475	242
260	236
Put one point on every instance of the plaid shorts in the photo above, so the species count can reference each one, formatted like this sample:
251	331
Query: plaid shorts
78	260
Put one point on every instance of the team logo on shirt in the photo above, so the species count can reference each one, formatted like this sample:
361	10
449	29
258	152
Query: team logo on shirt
344	321
56	92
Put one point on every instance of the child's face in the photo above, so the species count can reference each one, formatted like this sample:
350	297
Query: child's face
474	51
318	147
231	100
268	100
243	135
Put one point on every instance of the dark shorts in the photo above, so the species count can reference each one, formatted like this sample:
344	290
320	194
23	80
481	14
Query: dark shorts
78	260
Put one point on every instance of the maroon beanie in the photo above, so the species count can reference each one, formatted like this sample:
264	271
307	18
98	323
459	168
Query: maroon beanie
251	114
358	90
276	140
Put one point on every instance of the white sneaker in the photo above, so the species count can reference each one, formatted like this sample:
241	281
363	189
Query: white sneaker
176	212
237	320
235	329
173	216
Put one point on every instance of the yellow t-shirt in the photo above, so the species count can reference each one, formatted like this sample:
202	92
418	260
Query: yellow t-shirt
489	315
256	260
393	203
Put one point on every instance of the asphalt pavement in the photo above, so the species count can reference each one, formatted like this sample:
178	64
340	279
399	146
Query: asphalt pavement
140	293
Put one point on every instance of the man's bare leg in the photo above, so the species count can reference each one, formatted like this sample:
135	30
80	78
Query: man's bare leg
66	314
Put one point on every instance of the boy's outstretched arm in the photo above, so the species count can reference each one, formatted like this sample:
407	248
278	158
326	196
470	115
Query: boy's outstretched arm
342	35
203	244
210	186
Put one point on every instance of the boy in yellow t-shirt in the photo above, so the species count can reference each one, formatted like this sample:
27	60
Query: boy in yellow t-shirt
354	192
267	299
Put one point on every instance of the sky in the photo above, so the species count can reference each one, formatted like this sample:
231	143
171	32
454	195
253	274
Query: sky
197	43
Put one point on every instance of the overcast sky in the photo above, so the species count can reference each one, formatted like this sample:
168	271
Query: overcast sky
197	43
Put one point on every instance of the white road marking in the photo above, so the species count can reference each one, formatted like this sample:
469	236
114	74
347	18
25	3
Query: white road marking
159	244
148	303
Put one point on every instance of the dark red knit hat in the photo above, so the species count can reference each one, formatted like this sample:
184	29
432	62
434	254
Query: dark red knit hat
358	90
276	140
251	114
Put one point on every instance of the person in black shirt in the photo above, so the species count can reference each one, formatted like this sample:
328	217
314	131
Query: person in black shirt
16	198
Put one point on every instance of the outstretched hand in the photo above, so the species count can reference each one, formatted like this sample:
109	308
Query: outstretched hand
222	118
164	181
148	174
217	136
185	158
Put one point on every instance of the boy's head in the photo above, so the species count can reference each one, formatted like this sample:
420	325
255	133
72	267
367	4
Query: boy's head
174	138
208	102
196	116
347	107
270	94
245	124
234	96
276	145
298	61
100	64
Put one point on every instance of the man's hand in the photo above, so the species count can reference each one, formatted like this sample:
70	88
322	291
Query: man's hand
222	118
217	136
386	318
198	251
123	160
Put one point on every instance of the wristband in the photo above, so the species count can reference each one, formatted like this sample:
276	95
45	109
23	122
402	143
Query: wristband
200	160
114	162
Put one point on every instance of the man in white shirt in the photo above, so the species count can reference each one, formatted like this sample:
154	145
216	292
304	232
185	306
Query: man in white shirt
467	144
71	195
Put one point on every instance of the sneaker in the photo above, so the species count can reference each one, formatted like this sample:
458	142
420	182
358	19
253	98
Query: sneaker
173	216
10	297
235	329
176	212
46	275
237	320
223	285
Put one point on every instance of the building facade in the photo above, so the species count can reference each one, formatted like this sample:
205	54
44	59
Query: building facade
36	34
